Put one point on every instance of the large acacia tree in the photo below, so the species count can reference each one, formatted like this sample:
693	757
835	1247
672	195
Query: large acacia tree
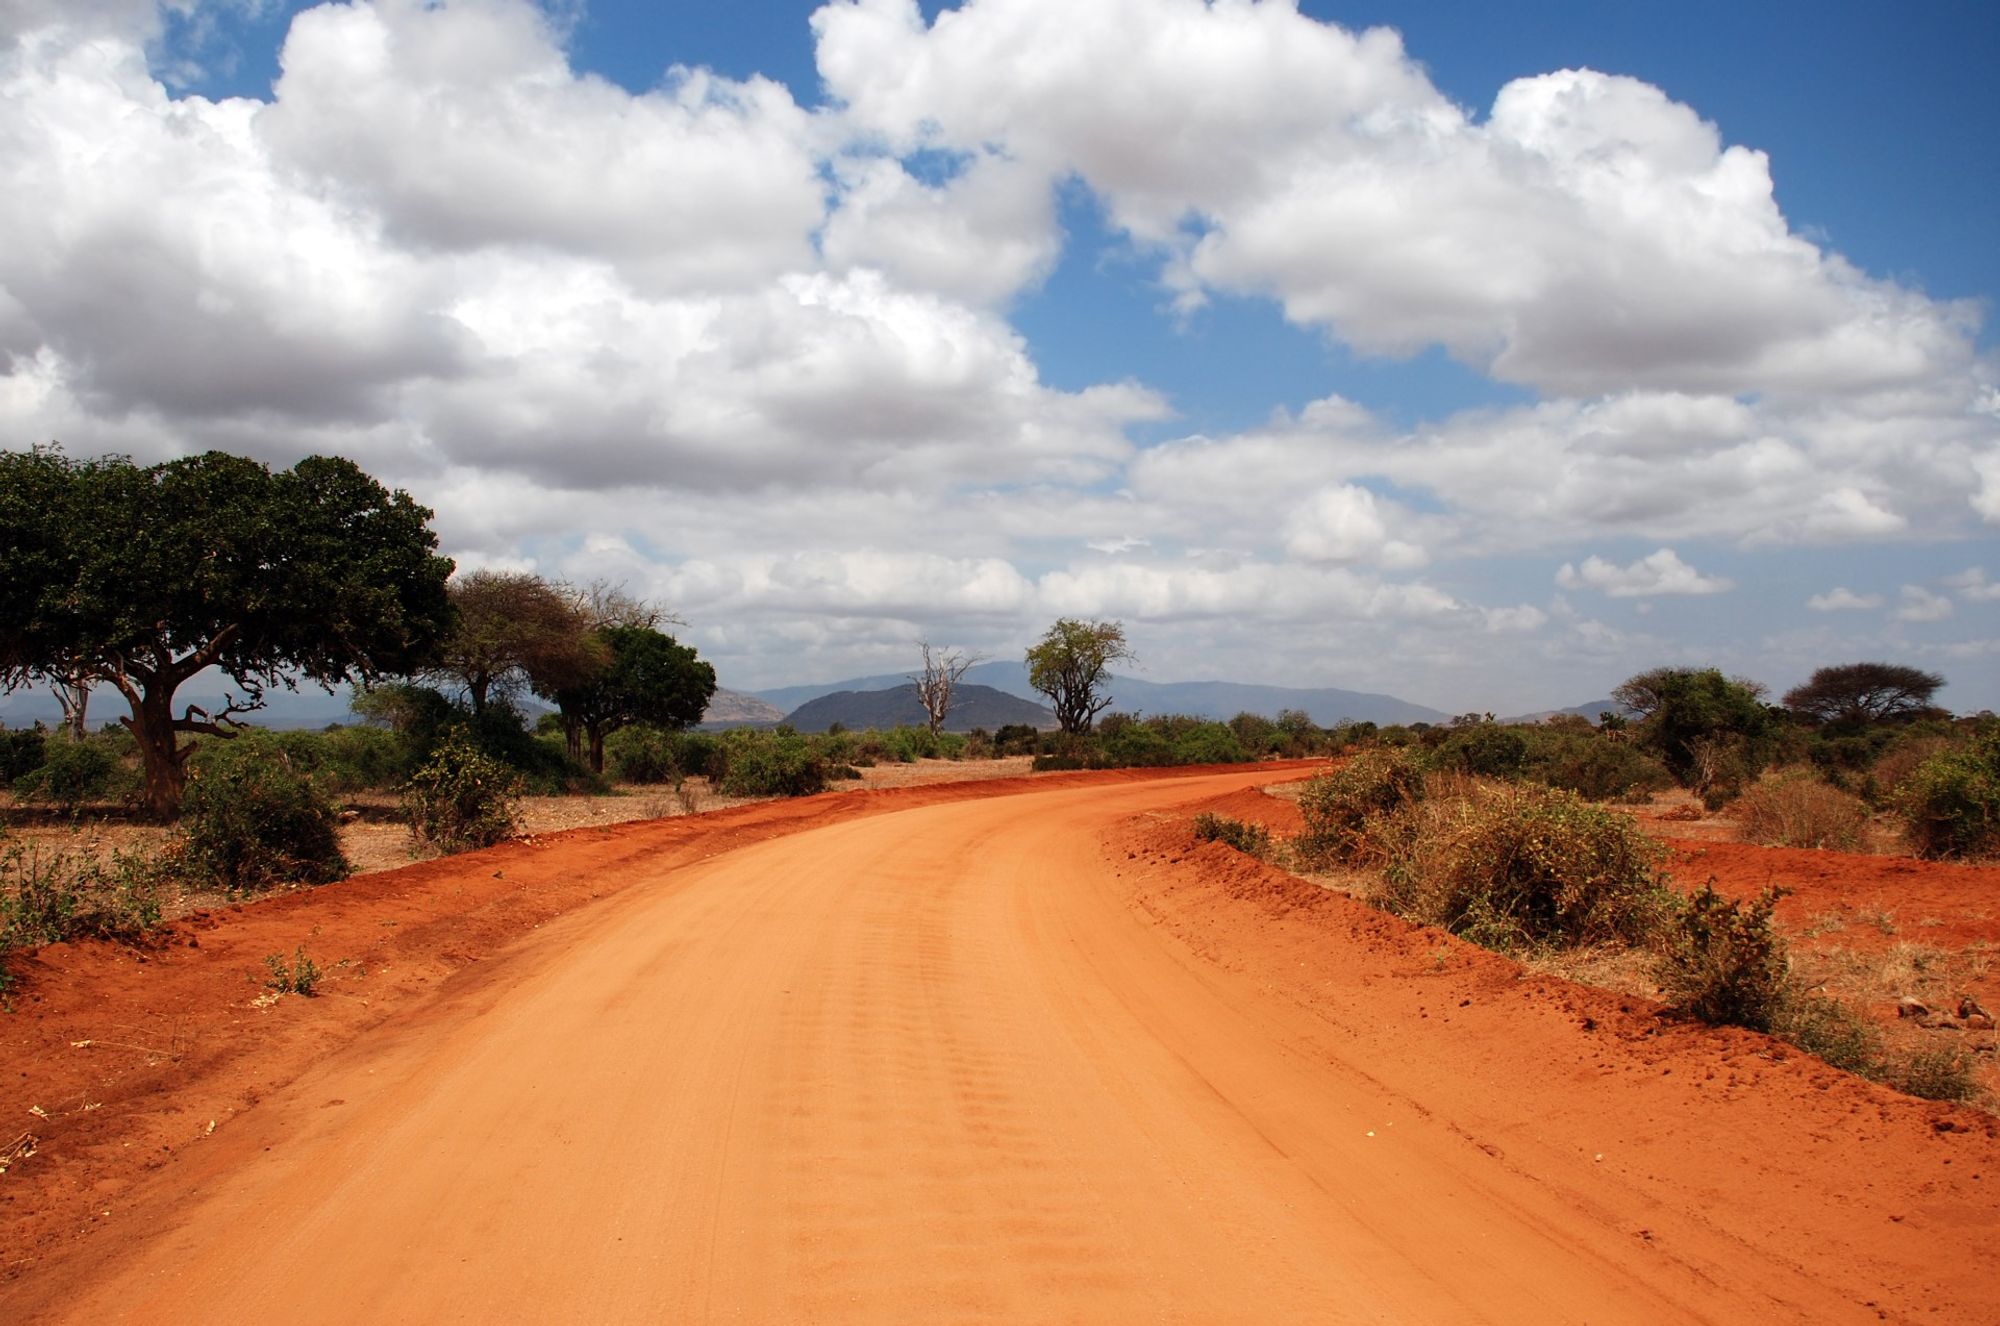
1862	693
144	576
1072	666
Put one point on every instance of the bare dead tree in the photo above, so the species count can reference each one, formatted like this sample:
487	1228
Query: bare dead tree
938	680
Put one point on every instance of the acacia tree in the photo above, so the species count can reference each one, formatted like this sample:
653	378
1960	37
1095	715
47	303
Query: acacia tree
648	678
938	680
512	629
1072	665
146	576
1861	693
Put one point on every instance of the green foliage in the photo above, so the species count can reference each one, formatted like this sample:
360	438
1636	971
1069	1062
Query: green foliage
145	576
1722	963
1824	1026
1253	839
779	763
1796	808
1950	804
461	799
1594	765
1016	739
1484	749
1711	731
1342	805
1936	1072
300	976
1855	694
1071	665
648	679
22	751
251	819
75	772
1516	867
55	896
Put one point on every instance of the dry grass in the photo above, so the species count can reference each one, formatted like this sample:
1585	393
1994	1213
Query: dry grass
1795	808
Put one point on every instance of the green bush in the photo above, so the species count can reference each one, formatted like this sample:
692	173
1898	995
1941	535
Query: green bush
1794	808
1722	963
1950	804
1253	839
1936	1072
1207	743
1483	749
1824	1026
779	763
52	896
75	772
22	751
1591	764
1340	806
300	976
1515	867
461	799
642	754
251	819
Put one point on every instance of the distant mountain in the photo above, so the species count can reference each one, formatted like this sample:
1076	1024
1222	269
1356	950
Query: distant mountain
1203	699
971	706
736	709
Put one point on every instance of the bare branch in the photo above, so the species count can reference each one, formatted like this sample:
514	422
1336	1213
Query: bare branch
938	680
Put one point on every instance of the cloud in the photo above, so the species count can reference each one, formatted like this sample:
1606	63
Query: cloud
1590	235
755	356
1921	605
1974	586
1662	572
1843	599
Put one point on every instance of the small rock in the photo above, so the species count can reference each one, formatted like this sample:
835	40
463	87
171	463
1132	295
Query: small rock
1907	1007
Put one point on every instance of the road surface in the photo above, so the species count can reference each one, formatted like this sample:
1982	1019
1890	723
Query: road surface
928	1066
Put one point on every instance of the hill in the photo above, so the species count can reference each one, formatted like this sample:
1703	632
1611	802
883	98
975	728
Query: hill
735	709
972	706
1327	705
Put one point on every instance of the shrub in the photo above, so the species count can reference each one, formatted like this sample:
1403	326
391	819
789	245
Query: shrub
1722	963
300	976
1488	750
74	772
1207	743
1822	1025
22	751
1339	806
1936	1072
52	897
1794	808
1591	764
1950	803
461	799
250	819
1513	867
642	754
1016	739
772	764
1253	839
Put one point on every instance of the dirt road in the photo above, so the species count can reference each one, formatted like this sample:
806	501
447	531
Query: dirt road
932	1066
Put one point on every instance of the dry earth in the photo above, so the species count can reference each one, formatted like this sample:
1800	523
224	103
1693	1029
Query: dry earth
1020	1050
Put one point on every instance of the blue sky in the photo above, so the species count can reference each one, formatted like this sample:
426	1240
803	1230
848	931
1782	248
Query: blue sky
1316	360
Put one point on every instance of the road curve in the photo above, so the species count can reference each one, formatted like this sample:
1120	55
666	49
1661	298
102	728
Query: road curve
925	1066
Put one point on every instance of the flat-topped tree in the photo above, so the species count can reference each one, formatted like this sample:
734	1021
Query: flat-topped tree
146	575
1862	693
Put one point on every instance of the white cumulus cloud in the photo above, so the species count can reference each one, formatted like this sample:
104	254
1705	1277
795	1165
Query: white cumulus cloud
1662	572
1842	599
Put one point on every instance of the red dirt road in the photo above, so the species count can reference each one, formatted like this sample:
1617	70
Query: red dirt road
1035	1057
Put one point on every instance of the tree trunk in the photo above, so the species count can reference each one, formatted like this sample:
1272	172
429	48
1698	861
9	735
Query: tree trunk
573	739
475	688
596	748
152	724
